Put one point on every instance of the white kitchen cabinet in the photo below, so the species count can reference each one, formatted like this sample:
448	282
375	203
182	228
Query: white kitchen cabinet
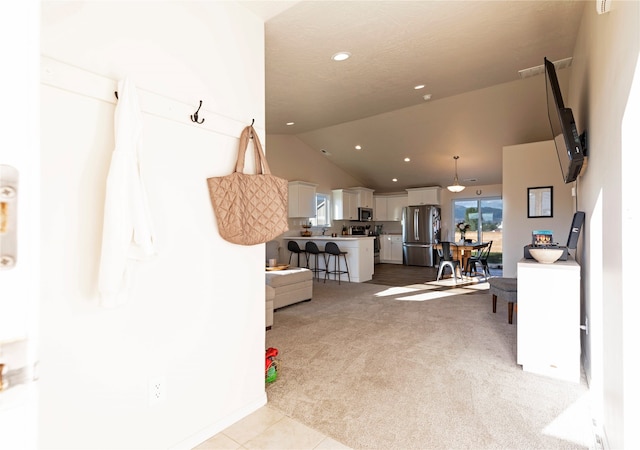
395	205
391	248
365	197
302	199
424	196
549	318
380	210
389	207
345	204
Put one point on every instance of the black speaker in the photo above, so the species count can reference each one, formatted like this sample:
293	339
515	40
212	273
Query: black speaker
574	232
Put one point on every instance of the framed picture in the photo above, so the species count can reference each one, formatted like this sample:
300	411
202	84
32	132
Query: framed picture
540	201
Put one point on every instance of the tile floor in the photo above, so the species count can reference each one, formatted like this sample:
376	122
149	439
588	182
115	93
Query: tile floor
268	429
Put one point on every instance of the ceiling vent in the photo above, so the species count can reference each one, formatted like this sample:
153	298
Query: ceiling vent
539	70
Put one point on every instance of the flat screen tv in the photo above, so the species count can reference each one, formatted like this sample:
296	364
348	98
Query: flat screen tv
568	143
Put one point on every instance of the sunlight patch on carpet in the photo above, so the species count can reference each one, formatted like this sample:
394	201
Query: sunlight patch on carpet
431	295
573	423
395	291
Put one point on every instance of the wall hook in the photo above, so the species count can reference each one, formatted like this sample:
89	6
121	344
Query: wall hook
194	117
251	134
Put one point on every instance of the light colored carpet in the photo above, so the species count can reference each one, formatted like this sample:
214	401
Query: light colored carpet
425	366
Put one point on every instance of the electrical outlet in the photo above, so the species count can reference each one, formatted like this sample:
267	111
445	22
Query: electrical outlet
157	390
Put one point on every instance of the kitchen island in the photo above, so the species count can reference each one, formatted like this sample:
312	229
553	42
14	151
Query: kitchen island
359	253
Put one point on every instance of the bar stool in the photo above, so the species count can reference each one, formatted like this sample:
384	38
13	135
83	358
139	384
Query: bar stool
332	249
312	250
293	247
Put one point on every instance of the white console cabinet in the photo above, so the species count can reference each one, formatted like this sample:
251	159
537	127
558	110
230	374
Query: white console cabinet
549	318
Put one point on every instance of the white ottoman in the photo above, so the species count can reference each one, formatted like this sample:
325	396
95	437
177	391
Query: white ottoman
269	294
290	286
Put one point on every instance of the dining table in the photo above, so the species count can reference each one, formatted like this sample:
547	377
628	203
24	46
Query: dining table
462	251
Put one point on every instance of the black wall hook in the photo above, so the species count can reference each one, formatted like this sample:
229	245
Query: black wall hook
194	117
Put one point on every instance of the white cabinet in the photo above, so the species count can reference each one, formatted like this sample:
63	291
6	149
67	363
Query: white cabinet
394	207
302	199
389	207
345	204
380	210
365	197
549	318
424	196
391	248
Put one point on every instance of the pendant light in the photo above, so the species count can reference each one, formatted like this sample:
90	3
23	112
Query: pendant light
456	187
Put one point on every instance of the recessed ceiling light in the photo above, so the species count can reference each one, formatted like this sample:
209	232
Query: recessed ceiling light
358	147
407	159
395	180
290	123
341	56
426	97
420	86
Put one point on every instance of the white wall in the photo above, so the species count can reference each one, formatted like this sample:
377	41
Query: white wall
604	63
292	159
196	314
524	166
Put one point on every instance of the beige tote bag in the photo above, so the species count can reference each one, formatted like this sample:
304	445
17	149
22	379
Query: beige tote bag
250	208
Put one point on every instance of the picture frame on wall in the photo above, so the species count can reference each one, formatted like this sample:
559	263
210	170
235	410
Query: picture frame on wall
540	201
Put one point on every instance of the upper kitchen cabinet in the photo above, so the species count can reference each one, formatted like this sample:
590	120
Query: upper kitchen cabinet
365	197
345	204
302	199
424	196
389	207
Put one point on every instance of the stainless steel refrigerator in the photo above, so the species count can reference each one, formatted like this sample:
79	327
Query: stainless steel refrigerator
420	231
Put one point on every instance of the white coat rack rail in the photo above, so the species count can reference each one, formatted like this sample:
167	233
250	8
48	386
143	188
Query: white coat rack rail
83	82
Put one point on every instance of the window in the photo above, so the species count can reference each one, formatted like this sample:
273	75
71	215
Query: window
323	207
484	217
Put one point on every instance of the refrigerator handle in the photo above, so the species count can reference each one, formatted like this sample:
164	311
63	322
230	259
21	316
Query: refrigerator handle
416	230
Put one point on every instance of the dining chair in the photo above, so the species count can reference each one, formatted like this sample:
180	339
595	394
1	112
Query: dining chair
446	260
481	258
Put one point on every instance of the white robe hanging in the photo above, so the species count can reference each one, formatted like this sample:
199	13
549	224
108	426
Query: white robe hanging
128	232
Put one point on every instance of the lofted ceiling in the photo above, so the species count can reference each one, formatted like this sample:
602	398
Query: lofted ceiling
468	54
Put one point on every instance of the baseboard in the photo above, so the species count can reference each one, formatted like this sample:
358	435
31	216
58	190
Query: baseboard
215	428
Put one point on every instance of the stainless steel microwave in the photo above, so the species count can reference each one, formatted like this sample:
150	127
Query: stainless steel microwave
365	214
